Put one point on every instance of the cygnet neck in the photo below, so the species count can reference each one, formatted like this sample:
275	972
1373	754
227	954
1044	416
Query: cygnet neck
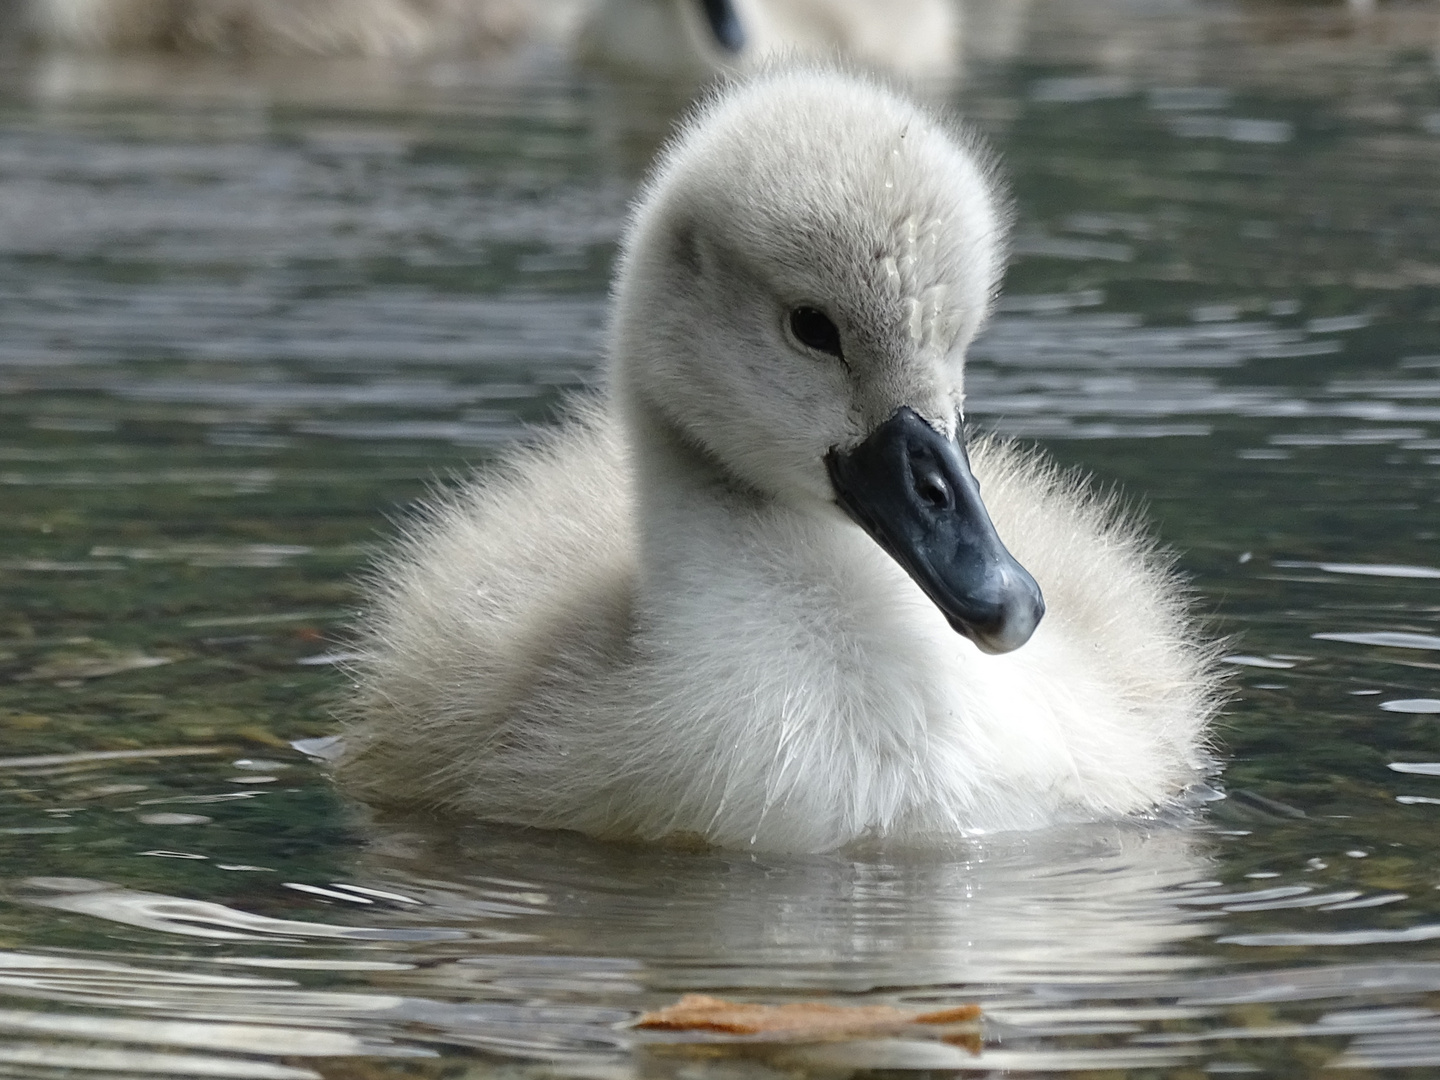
690	504
672	470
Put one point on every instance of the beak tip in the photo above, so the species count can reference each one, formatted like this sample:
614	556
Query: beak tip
1007	638
1013	621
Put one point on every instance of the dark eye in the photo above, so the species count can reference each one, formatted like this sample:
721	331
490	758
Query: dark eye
813	327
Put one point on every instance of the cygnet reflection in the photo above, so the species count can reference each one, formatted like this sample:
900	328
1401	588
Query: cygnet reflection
1095	902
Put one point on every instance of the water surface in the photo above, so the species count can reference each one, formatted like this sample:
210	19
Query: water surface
248	315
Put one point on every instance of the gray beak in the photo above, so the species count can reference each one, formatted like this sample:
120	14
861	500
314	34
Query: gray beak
912	490
724	24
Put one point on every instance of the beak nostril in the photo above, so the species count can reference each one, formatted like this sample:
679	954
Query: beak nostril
932	489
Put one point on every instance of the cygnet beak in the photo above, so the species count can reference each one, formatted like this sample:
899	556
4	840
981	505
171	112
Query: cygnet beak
912	490
724	23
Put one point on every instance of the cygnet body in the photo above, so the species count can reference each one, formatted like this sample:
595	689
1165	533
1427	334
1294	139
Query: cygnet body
751	593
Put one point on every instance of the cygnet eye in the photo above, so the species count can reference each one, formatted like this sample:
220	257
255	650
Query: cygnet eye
813	328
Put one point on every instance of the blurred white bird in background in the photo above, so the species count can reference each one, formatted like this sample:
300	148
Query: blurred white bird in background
680	39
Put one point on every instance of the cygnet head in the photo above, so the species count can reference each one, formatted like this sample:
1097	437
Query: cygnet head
800	282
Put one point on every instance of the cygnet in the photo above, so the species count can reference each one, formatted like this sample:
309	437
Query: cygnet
750	593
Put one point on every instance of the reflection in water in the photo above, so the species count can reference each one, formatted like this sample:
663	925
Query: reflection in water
1075	933
515	941
196	918
246	311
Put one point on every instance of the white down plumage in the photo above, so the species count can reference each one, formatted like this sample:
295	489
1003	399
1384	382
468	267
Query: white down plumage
751	593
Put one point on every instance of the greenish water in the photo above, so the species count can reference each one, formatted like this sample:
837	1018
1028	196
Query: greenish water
247	316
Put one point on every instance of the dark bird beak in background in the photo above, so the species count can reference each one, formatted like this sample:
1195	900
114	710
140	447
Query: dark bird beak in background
912	490
724	23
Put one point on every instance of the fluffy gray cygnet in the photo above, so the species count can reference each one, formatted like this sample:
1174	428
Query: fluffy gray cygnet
751	593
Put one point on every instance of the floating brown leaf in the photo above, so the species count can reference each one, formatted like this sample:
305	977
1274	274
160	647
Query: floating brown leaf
796	1020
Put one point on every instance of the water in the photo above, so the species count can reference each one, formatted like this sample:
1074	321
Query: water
246	315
